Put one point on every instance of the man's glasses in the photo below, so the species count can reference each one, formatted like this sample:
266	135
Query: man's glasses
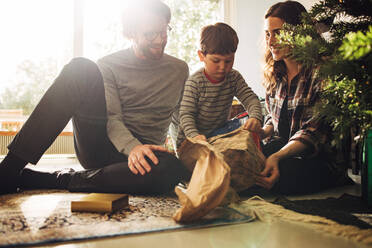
152	35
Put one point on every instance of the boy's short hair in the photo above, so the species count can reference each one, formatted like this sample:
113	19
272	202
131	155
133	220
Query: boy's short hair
219	38
134	14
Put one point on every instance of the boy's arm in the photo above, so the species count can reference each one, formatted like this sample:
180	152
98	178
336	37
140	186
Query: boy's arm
189	108
248	98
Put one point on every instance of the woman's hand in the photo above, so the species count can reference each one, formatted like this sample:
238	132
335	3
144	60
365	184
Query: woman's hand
200	137
270	175
266	131
136	159
253	125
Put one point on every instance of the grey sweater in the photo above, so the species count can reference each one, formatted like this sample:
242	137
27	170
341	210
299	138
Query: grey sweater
142	97
206	106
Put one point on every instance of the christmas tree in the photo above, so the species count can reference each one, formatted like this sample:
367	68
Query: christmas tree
336	39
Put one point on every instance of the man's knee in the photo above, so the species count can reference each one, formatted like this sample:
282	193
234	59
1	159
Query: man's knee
82	70
82	79
81	62
170	163
166	158
167	173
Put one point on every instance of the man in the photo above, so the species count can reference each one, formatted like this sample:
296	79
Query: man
121	112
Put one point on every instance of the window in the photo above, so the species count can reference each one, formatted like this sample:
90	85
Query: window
40	36
102	27
188	18
36	41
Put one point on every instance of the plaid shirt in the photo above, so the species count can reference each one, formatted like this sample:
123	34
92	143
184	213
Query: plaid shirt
302	96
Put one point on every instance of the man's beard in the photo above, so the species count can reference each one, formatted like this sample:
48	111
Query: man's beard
151	54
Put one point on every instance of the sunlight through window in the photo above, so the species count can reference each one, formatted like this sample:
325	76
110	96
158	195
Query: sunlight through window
40	36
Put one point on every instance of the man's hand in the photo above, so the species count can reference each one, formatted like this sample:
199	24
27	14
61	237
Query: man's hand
253	125
270	174
136	159
200	137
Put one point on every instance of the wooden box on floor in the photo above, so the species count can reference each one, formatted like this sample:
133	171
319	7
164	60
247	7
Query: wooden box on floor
100	203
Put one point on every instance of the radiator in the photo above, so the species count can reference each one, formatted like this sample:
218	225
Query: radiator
64	144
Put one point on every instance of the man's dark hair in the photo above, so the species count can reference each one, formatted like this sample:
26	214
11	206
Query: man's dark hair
135	12
219	38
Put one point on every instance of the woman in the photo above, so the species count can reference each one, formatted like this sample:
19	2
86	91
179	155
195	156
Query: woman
297	158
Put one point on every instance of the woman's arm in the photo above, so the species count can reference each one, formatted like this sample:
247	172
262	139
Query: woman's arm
266	131
270	174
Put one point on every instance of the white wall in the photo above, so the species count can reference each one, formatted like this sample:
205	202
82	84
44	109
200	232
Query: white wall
247	19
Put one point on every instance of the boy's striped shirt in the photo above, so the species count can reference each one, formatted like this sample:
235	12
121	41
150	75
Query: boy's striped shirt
205	106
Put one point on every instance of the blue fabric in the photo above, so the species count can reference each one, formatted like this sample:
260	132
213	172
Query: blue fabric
229	126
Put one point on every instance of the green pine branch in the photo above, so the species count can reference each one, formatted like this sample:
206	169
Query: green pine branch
344	61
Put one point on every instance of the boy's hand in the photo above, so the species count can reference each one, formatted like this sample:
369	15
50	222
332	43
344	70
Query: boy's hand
253	125
200	137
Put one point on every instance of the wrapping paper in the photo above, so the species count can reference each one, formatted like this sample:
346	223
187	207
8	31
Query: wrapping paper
228	160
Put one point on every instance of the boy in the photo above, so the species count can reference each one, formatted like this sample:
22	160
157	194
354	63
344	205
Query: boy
209	92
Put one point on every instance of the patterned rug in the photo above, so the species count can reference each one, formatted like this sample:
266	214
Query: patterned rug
40	217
